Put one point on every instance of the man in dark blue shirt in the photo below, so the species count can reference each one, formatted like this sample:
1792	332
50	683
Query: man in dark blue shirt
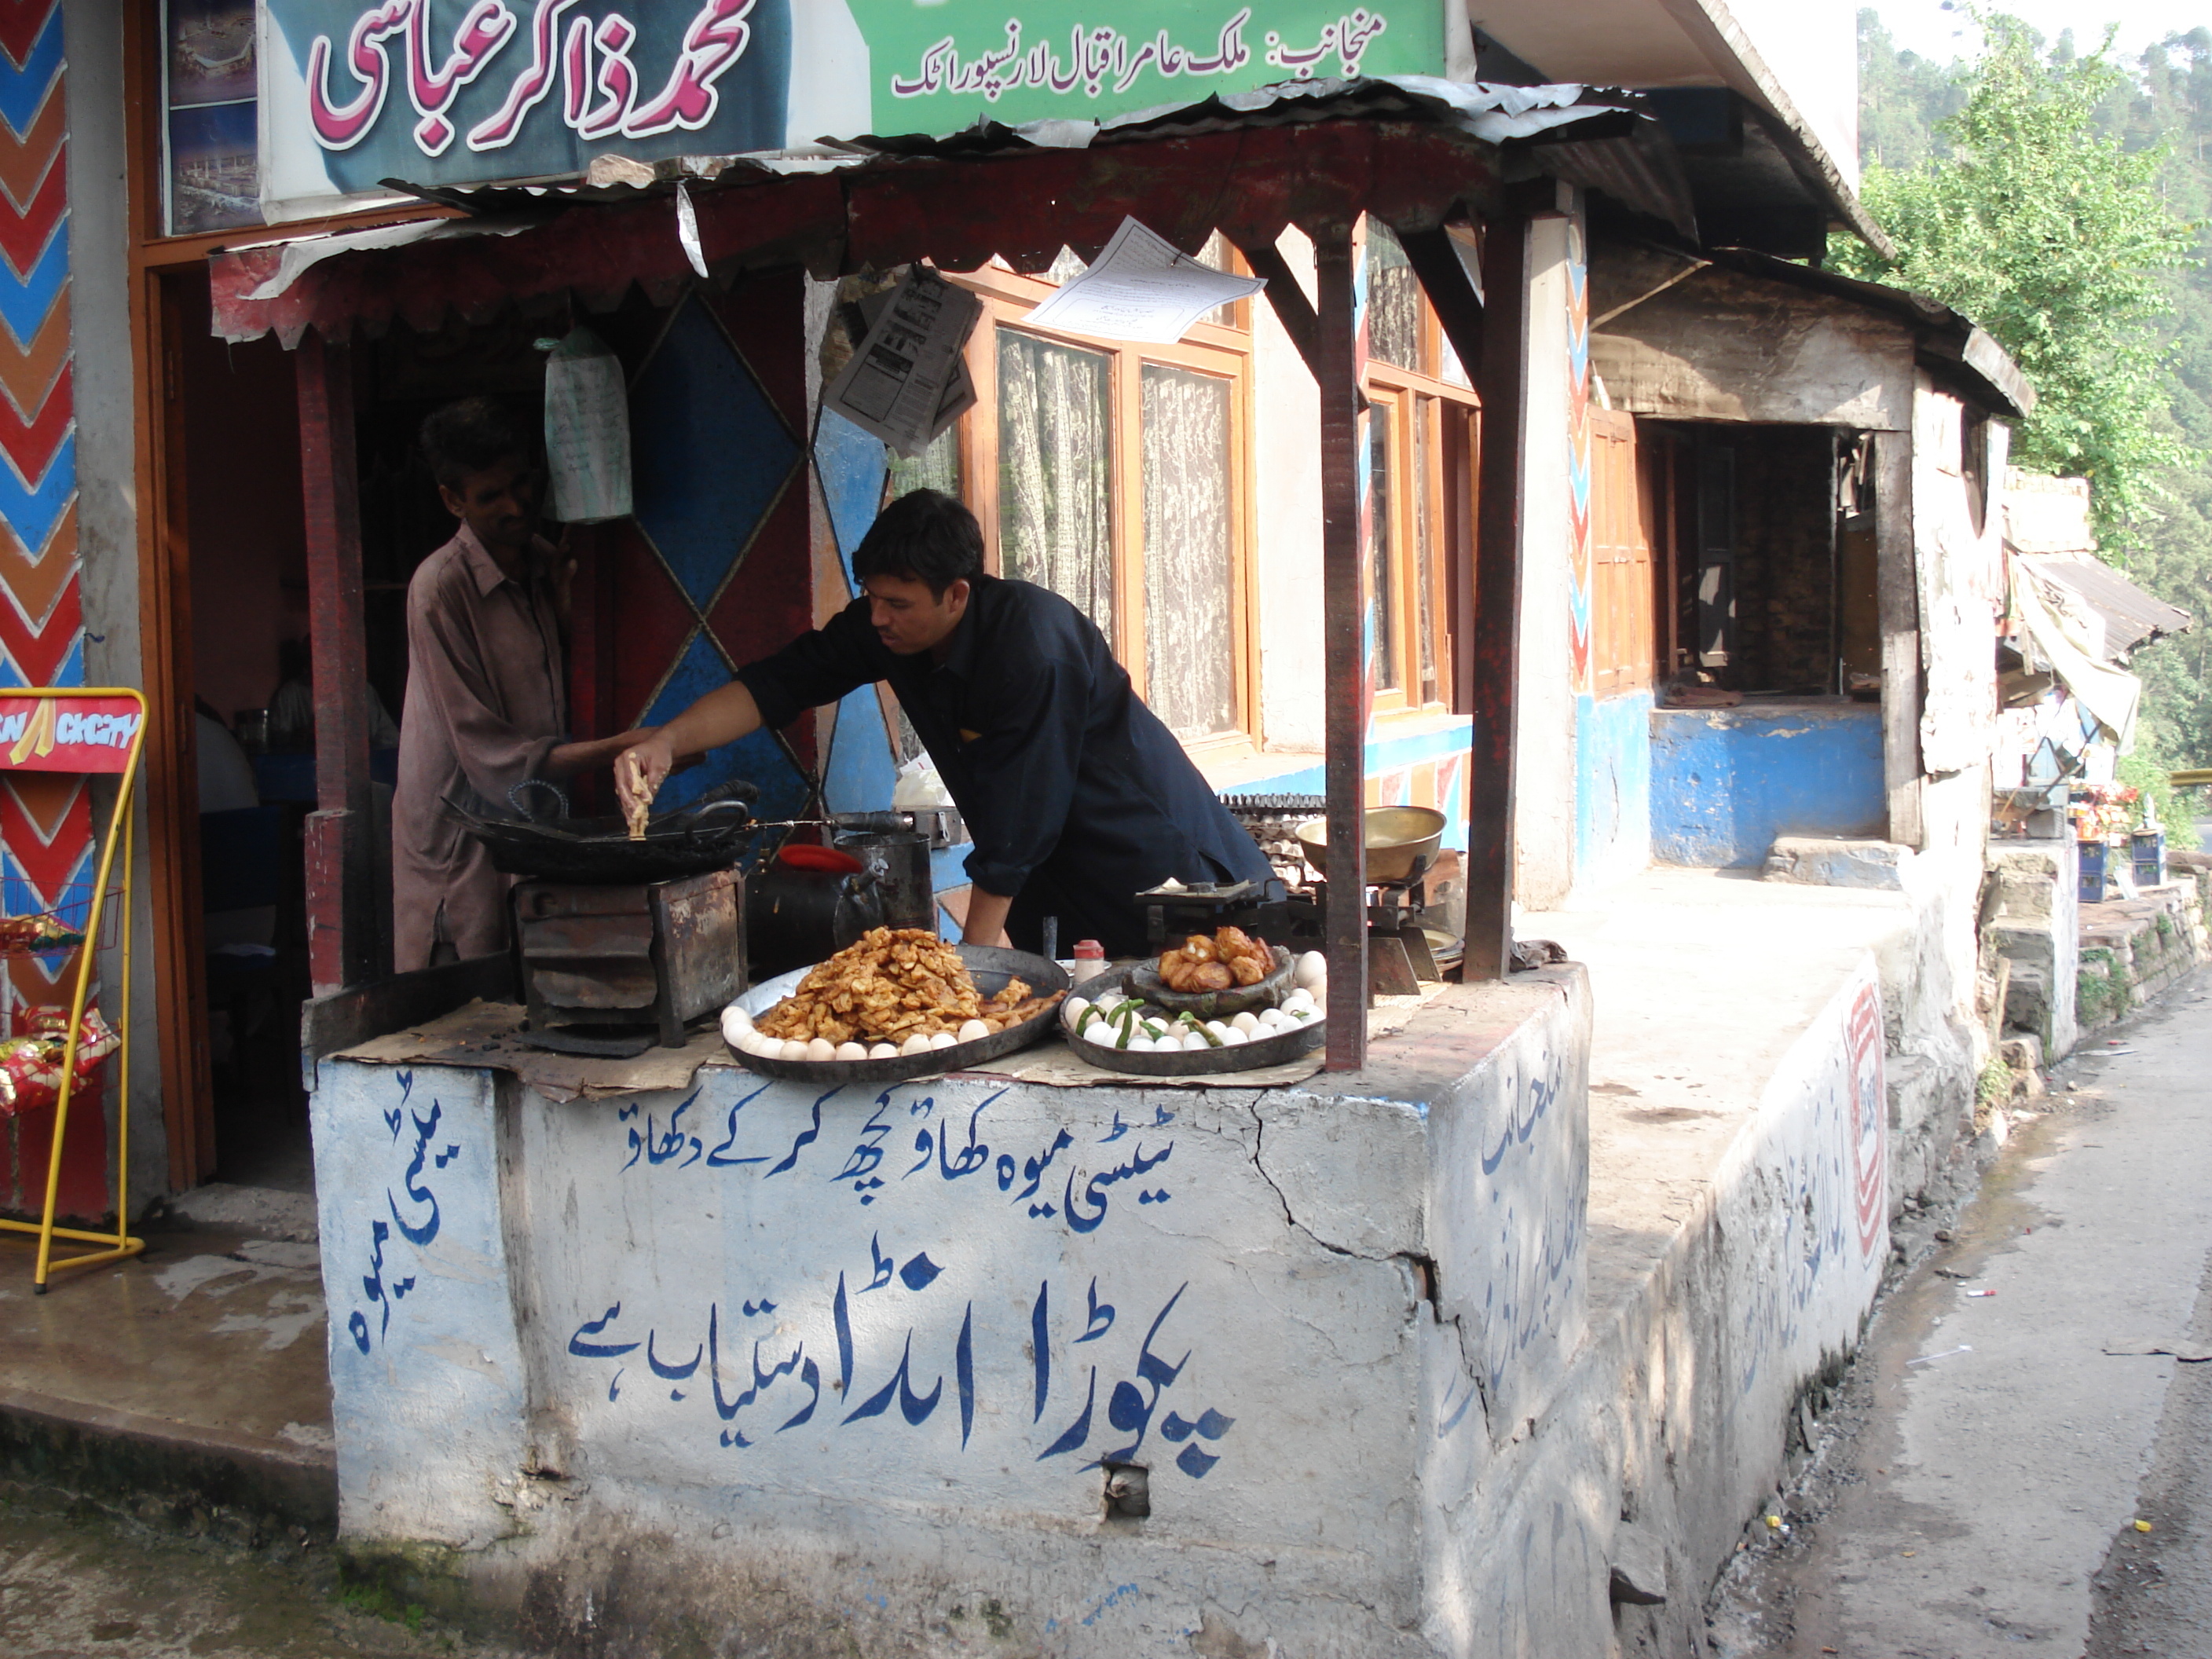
1076	796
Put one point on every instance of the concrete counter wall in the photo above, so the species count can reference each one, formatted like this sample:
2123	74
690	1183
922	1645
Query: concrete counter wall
847	1364
1726	782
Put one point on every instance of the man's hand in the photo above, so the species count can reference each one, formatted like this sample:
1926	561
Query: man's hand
641	769
570	758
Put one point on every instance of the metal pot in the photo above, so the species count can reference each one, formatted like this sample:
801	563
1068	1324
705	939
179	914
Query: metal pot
1400	840
900	864
797	917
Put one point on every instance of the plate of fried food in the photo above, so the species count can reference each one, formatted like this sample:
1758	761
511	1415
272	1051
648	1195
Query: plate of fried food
897	1003
1214	975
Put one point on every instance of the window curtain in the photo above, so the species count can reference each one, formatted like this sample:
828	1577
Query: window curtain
1190	648
1055	458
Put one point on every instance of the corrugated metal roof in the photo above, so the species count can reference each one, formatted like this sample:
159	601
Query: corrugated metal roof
1615	146
2131	616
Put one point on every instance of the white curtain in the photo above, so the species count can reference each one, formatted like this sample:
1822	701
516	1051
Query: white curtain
1190	648
1054	470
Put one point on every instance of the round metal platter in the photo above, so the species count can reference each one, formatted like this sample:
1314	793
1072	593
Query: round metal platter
988	965
1144	980
1186	1062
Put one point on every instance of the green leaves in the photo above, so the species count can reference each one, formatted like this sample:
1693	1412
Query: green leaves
2049	231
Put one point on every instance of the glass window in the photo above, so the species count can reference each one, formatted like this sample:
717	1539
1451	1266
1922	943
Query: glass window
937	467
1190	648
1393	301
1382	546
211	131
1055	459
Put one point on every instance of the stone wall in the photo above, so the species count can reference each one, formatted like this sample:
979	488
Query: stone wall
2133	949
2031	942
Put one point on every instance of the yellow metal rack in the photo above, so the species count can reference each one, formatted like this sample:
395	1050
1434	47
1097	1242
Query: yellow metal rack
92	730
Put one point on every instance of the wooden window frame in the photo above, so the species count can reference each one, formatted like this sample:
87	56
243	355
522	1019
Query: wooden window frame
1426	395
1216	350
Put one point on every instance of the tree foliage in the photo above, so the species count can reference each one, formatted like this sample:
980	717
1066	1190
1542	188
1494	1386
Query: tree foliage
2049	230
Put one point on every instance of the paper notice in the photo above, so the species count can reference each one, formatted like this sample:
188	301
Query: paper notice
587	430
1141	288
907	374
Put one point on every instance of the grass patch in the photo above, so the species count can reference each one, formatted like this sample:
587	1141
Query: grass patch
378	1601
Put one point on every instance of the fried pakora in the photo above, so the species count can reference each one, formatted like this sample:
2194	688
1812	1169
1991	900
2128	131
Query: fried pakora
892	984
1230	958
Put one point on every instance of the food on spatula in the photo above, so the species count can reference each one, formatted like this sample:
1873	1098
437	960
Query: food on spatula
1230	958
891	986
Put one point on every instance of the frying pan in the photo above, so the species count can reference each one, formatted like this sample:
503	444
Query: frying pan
707	834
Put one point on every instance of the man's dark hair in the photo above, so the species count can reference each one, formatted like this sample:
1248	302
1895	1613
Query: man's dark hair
473	435
923	535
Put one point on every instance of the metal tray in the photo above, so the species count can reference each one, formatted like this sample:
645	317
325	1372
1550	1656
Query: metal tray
988	965
1144	979
688	841
1188	1062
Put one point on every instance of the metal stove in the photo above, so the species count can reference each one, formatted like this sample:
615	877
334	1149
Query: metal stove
1402	948
603	963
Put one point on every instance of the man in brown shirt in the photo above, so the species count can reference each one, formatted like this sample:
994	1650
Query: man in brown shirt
486	702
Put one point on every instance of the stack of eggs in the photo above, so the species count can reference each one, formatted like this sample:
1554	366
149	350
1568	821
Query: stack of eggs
738	1032
1128	1026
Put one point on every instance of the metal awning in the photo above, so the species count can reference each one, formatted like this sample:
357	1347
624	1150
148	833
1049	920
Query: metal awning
2130	618
1414	152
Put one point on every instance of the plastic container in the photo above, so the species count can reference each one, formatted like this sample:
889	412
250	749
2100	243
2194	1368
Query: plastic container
1090	960
2093	870
2147	849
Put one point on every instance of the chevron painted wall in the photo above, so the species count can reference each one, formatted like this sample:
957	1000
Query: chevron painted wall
46	824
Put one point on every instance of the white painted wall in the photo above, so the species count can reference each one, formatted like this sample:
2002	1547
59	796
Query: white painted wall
866	1348
1544	716
1286	522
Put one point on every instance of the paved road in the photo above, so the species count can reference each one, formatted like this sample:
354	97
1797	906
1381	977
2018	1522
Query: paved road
79	1584
1977	1488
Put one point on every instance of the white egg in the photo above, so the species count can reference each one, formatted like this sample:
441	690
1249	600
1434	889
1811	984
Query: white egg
1312	970
916	1044
734	1033
1246	1023
1072	1010
883	1051
1234	1037
1309	1015
821	1049
1137	1045
943	1040
1101	1033
973	1030
1218	1027
851	1051
1269	1018
792	1049
1193	1041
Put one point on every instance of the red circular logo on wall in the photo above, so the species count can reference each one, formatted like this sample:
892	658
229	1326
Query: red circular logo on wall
1863	1049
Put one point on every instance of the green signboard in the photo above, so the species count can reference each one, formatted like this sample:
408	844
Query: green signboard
935	68
458	92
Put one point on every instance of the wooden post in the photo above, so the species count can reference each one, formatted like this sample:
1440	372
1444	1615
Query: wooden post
1344	649
341	928
1501	379
1898	601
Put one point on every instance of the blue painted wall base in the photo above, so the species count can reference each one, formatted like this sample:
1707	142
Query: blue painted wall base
1726	782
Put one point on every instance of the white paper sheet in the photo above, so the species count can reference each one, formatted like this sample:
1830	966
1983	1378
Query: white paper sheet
587	430
906	382
1141	288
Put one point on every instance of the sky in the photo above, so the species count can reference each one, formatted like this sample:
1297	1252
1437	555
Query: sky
1943	32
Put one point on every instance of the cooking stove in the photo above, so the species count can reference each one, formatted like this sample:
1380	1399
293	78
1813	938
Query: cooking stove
606	961
1402	948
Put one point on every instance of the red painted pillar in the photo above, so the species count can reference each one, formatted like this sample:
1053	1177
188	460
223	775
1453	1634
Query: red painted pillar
342	929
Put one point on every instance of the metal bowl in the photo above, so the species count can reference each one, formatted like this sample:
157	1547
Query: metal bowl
1398	838
1144	979
1187	1062
988	965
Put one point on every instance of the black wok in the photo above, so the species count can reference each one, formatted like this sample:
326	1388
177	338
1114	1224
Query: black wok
709	835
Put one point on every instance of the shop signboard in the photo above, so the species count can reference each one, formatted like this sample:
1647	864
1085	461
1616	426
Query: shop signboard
460	92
